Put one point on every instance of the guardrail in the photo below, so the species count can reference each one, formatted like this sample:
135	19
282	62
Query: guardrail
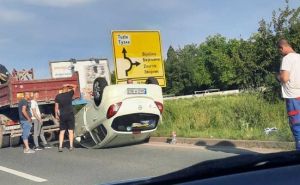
206	91
229	92
168	95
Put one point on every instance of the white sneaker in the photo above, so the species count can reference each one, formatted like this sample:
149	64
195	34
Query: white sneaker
47	146
28	151
37	148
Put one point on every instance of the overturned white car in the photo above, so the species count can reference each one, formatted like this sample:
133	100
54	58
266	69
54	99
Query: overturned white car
119	115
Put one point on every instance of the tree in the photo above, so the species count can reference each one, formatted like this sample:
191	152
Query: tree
172	69
219	64
113	77
185	70
234	63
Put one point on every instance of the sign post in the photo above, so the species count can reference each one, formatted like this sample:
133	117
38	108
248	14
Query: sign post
138	56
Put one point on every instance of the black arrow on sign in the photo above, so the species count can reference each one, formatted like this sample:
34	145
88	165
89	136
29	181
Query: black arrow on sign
136	63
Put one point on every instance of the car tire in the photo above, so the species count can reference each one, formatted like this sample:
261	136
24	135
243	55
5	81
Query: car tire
98	87
147	140
152	80
49	136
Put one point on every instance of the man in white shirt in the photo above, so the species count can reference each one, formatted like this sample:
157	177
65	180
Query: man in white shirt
289	77
38	123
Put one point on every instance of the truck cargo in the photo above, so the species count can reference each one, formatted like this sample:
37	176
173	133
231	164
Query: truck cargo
4	74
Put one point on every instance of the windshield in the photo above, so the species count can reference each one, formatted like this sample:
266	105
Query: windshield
94	92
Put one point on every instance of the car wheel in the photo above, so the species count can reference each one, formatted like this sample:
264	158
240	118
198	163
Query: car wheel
152	80
147	140
49	136
98	87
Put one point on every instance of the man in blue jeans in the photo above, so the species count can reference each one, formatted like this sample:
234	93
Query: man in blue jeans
25	120
290	85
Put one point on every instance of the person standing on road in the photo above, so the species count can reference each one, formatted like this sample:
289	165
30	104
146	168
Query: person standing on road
38	123
290	86
64	113
25	120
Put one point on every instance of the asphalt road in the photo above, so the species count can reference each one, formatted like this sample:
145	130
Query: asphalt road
88	167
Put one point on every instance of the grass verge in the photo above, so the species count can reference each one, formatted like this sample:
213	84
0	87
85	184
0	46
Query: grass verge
243	116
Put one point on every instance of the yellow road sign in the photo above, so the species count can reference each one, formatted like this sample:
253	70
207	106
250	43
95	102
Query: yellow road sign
138	55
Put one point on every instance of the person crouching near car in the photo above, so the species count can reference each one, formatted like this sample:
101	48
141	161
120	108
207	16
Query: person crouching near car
290	85
64	113
25	121
37	123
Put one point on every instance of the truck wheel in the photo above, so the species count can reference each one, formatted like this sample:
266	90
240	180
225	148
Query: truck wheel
98	87
4	139
152	80
15	141
1	135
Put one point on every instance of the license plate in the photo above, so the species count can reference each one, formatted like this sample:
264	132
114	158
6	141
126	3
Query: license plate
136	91
12	127
140	125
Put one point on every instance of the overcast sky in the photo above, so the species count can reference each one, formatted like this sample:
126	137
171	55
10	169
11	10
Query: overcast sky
34	32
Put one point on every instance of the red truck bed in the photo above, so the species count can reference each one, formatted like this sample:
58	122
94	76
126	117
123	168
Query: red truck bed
13	90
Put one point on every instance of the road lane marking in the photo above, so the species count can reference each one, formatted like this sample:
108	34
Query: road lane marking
23	175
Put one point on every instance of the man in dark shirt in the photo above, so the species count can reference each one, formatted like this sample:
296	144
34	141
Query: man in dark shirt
64	113
25	121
